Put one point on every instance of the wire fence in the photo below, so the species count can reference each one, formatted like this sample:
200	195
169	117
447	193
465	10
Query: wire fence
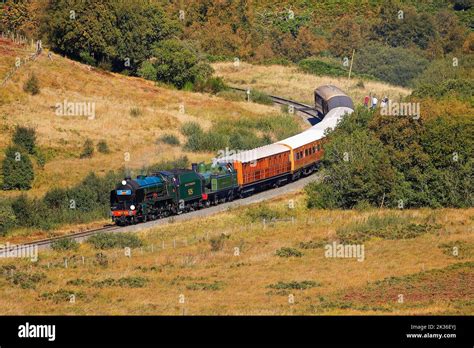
104	257
20	61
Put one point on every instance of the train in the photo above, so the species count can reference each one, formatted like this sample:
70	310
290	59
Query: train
237	175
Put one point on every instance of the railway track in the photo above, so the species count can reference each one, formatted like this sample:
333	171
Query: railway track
83	235
256	198
305	109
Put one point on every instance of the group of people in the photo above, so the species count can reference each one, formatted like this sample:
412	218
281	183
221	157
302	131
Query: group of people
374	101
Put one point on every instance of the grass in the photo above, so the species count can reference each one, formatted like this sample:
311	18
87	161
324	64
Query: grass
290	82
130	114
255	281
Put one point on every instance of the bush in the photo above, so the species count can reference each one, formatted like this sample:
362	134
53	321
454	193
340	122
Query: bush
260	212
7	217
86	58
318	67
181	162
31	85
169	139
177	62
147	71
260	97
88	149
135	112
212	85
115	240
102	147
217	243
294	285
191	128
129	282
65	244
17	169
205	286
26	280
288	252
25	137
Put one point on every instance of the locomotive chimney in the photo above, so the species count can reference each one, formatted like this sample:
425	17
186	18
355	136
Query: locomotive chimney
194	167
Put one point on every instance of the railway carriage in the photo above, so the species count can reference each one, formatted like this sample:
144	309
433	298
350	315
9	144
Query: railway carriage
328	97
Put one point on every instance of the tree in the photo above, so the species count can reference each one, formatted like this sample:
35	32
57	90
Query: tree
116	33
17	169
395	65
178	62
401	26
7	217
25	137
345	37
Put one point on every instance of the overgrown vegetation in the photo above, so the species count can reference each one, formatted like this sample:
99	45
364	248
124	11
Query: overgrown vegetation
65	244
288	252
386	227
31	85
104	241
169	139
242	134
397	161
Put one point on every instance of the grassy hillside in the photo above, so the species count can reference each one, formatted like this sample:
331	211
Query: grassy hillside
412	256
131	114
297	85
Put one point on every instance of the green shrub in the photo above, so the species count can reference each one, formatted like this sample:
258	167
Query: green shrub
86	58
62	295
147	71
318	67
212	85
177	62
395	65
205	286
17	169
288	252
88	149
115	240
31	85
217	243
313	244
260	97
457	249
180	162
125	282
25	137
169	139
260	212
135	111
65	244
191	128
386	227
26	280
102	147
7	217
294	285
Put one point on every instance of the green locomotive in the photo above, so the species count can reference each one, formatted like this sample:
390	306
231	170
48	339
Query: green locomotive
171	192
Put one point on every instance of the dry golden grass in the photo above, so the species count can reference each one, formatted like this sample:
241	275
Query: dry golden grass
241	282
291	83
114	95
